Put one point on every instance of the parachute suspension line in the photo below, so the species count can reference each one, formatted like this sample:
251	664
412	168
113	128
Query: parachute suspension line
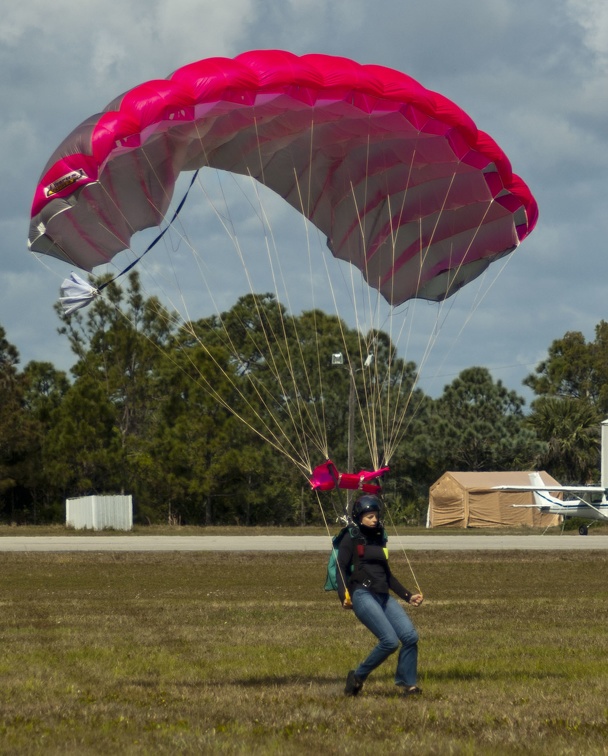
258	388
478	299
370	426
305	209
473	237
307	410
391	422
297	423
263	393
395	426
442	318
370	385
391	432
353	371
319	366
366	409
483	289
404	552
304	205
384	387
268	434
201	381
400	419
396	419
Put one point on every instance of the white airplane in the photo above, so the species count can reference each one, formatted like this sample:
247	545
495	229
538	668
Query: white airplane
589	502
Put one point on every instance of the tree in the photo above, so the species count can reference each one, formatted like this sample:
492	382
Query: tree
120	343
83	452
478	425
15	431
572	390
44	391
571	430
194	433
113	407
575	369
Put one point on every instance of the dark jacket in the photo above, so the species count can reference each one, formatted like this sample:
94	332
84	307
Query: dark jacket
363	563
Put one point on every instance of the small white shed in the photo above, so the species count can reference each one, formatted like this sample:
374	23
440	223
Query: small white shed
99	512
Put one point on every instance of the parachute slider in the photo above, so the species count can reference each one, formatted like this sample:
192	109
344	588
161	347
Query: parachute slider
325	477
76	293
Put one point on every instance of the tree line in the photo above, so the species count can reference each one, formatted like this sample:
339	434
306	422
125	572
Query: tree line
166	414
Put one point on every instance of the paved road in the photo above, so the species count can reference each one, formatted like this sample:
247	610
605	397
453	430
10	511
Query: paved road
298	543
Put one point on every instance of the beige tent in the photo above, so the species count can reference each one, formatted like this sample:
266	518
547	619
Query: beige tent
466	500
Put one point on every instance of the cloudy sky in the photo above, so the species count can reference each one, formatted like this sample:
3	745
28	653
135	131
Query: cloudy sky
534	75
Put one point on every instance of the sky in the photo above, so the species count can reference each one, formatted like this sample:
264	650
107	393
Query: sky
532	75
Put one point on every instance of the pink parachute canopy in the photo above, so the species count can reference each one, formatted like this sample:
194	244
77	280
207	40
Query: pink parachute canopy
399	178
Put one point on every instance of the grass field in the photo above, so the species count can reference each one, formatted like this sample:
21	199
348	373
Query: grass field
190	653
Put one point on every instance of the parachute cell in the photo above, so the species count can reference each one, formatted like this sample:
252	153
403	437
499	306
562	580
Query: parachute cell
397	177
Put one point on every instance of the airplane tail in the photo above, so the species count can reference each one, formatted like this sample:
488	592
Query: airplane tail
541	499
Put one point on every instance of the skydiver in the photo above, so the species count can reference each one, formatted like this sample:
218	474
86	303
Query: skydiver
363	557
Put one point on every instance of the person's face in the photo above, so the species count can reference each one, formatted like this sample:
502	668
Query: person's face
369	519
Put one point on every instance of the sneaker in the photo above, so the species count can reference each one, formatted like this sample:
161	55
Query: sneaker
410	690
353	684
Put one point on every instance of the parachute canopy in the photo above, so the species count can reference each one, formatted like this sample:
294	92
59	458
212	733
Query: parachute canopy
397	177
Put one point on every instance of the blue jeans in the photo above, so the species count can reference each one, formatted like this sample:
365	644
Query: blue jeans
388	621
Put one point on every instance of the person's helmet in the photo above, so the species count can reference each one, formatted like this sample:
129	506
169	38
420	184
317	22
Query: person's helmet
367	503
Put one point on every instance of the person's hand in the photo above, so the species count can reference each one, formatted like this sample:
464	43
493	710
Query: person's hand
416	599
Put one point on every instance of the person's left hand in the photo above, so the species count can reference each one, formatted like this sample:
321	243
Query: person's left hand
416	599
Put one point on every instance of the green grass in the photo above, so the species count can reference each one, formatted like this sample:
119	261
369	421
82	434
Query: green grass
189	653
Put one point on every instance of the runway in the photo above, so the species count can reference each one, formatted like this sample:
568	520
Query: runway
139	543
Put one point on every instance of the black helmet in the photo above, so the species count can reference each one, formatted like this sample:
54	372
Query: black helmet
367	503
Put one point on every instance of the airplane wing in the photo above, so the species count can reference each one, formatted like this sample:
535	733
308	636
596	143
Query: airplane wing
569	489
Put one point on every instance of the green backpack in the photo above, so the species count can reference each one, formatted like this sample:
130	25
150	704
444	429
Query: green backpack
331	583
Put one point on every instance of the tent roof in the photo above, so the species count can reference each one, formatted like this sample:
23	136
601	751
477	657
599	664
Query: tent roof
481	481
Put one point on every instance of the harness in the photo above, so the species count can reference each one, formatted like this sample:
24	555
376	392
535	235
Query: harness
331	580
